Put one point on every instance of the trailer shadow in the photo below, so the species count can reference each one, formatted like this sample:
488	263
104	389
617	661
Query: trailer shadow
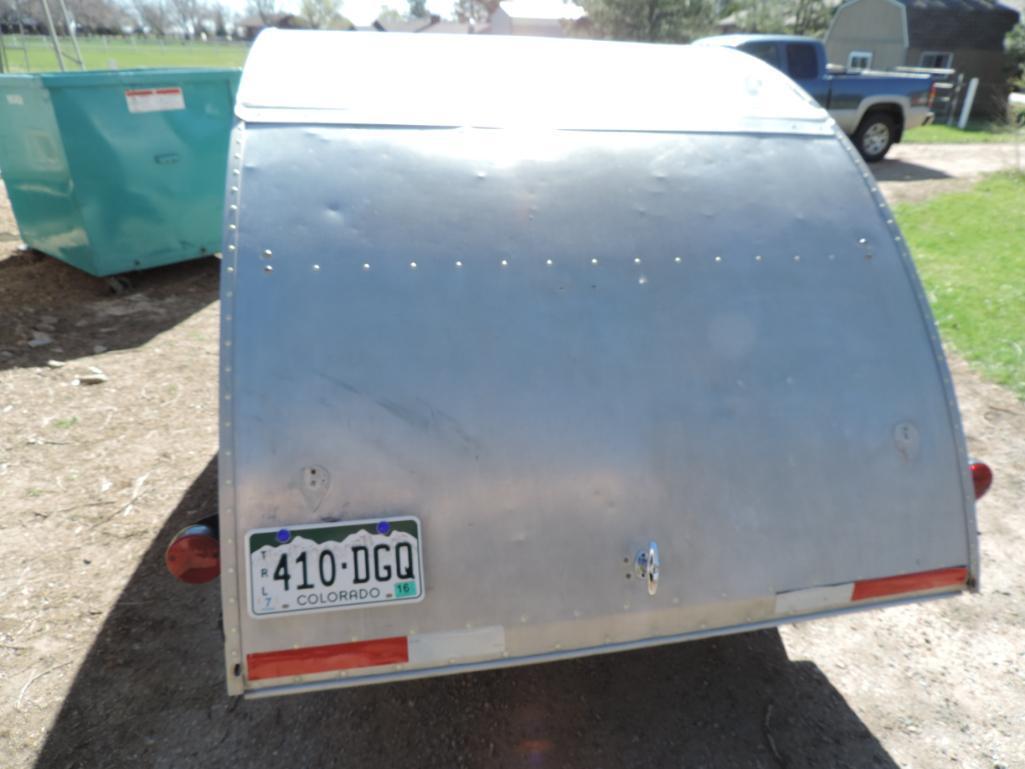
53	311
892	170
150	693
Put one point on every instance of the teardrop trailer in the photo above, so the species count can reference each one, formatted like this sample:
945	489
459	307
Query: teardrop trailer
519	369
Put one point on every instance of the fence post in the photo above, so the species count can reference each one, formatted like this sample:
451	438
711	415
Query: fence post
969	98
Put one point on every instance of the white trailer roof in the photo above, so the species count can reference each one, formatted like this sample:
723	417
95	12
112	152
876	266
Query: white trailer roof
497	81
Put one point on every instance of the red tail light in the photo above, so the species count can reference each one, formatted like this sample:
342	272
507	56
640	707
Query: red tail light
194	555
982	478
932	94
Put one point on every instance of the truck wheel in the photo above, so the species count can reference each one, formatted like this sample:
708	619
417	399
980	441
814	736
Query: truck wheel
874	136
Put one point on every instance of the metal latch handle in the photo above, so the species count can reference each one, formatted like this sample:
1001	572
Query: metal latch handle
647	565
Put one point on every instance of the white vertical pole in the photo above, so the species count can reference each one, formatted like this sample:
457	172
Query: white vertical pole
53	36
966	110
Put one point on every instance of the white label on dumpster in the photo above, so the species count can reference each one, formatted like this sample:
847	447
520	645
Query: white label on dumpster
154	99
15	98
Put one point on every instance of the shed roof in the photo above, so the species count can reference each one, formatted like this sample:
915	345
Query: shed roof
949	25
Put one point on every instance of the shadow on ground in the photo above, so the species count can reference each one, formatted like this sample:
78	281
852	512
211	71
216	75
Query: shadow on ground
150	693
81	315
904	171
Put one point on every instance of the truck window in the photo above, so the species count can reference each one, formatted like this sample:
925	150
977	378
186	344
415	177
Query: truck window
766	51
802	63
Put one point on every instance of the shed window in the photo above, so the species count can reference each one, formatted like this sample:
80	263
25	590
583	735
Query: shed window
802	62
936	59
859	60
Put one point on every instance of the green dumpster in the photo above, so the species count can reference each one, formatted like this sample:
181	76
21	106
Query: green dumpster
113	171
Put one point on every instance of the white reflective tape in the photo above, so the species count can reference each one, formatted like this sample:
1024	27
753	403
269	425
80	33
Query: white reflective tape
429	648
813	599
154	99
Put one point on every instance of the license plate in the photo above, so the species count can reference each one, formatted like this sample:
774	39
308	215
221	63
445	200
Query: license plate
328	566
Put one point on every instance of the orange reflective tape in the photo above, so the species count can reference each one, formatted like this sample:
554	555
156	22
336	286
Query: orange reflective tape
909	583
321	659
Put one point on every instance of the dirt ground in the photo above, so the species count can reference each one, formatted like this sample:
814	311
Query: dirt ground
105	661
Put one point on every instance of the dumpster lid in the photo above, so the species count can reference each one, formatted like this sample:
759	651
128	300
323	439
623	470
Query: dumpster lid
366	78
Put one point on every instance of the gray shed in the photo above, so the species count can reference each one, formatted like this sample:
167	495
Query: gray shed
966	35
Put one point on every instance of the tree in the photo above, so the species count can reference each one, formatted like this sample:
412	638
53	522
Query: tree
320	13
418	9
220	15
793	17
1014	45
265	9
475	10
669	21
189	14
154	16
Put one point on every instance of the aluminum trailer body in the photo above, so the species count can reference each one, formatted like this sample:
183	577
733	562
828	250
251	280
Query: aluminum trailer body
518	368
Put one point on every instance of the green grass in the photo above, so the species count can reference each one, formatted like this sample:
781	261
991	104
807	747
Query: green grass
970	251
123	53
974	132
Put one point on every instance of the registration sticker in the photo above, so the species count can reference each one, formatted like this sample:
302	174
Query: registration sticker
328	566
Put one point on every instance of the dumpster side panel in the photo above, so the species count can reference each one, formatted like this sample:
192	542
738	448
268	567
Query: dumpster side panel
36	173
554	347
148	180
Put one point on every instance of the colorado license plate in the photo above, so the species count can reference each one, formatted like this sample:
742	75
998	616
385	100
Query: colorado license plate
326	566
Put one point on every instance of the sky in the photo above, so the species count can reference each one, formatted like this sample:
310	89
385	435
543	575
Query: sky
359	11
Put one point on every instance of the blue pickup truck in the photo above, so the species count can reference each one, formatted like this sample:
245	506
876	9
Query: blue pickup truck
873	108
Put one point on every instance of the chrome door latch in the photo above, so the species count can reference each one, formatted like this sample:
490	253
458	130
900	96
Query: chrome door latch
646	564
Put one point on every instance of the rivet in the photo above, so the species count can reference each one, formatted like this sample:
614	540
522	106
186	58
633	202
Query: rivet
505	654
232	571
267	253
366	266
237	155
268	268
504	262
231	246
797	257
227	369
576	612
235	171
642	280
758	257
227	397
558	646
230	268
232	227
227	424
718	258
626	607
316	268
458	263
637	260
227	482
523	618
549	262
234	630
832	257
678	259
862	241
676	601
234	189
594	260
355	638
412	265
233	207
229	294
227	343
